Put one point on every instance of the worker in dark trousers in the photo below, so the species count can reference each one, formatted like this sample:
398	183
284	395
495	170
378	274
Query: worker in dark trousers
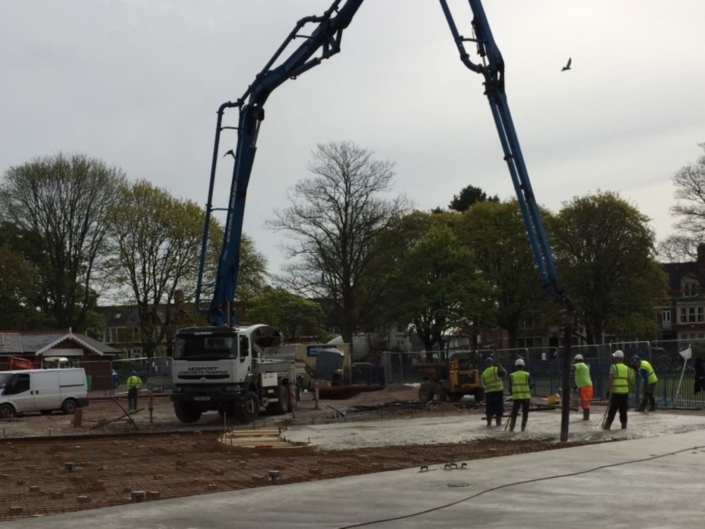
520	384
648	380
133	388
617	390
494	391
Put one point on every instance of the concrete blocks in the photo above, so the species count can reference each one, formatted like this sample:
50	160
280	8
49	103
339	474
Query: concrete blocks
83	498
153	494
138	495
15	511
34	488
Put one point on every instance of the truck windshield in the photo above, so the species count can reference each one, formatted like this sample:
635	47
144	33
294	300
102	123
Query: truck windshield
205	347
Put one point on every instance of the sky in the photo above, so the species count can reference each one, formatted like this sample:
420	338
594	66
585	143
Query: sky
137	84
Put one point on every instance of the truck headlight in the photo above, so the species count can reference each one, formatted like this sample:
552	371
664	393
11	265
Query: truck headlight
178	389
232	388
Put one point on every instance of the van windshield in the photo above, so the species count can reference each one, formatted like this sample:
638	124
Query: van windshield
209	347
4	379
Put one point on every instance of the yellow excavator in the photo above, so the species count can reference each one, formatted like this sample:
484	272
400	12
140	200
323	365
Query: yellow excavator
450	380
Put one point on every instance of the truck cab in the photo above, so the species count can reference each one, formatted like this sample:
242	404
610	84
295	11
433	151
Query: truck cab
229	370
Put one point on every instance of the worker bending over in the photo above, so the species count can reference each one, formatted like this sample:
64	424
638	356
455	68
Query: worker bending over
520	385
648	379
494	391
583	383
617	390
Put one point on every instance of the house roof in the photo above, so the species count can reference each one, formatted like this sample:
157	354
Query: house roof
119	315
676	271
40	343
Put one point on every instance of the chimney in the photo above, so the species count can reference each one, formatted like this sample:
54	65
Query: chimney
701	255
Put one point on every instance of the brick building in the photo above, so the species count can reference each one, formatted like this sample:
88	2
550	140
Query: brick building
80	350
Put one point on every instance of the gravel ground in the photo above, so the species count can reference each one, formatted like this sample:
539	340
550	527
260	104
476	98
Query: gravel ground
105	470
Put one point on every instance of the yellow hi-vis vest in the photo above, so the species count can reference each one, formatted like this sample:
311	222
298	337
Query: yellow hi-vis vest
620	384
520	385
649	371
491	381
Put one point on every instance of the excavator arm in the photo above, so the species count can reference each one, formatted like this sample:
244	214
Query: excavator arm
323	42
492	70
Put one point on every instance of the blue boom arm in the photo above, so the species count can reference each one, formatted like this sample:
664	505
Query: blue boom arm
492	69
326	38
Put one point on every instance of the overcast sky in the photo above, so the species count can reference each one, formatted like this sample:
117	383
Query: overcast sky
137	83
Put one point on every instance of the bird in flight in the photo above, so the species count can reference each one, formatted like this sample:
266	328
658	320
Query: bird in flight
567	66
230	152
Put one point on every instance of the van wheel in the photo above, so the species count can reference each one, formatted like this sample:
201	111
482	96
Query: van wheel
6	411
69	406
249	407
186	413
46	412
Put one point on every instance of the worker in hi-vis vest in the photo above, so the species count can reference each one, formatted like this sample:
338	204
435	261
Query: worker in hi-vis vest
520	385
133	389
583	383
617	390
491	379
648	380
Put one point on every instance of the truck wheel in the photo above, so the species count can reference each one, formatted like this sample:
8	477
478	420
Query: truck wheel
426	391
6	411
283	405
249	407
69	406
186	413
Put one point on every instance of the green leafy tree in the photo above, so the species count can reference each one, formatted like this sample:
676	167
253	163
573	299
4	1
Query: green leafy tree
496	233
63	199
438	284
469	196
294	316
155	240
18	293
605	254
333	218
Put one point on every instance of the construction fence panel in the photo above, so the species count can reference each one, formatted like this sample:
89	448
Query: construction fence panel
546	367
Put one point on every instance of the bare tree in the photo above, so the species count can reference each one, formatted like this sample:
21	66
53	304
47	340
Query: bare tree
333	218
690	227
63	198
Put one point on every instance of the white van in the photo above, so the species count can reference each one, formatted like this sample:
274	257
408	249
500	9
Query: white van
43	390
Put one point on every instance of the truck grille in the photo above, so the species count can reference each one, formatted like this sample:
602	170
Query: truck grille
199	377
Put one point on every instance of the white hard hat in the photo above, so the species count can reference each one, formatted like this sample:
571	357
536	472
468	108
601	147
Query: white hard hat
578	358
519	362
618	354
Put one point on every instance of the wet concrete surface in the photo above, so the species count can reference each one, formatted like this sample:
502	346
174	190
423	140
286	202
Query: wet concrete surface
542	425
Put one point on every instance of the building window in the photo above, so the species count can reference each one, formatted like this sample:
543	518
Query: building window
690	288
529	322
666	316
691	315
531	341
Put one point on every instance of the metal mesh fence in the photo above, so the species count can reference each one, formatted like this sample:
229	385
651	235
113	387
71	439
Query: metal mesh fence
108	377
546	367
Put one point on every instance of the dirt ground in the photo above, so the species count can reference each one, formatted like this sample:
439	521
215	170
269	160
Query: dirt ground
98	413
107	469
168	459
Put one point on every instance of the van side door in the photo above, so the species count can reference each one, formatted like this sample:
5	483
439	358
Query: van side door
18	393
45	385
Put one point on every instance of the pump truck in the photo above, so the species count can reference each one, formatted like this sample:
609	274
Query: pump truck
324	41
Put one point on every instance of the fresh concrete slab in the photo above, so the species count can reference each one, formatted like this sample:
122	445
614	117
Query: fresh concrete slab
463	428
663	493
